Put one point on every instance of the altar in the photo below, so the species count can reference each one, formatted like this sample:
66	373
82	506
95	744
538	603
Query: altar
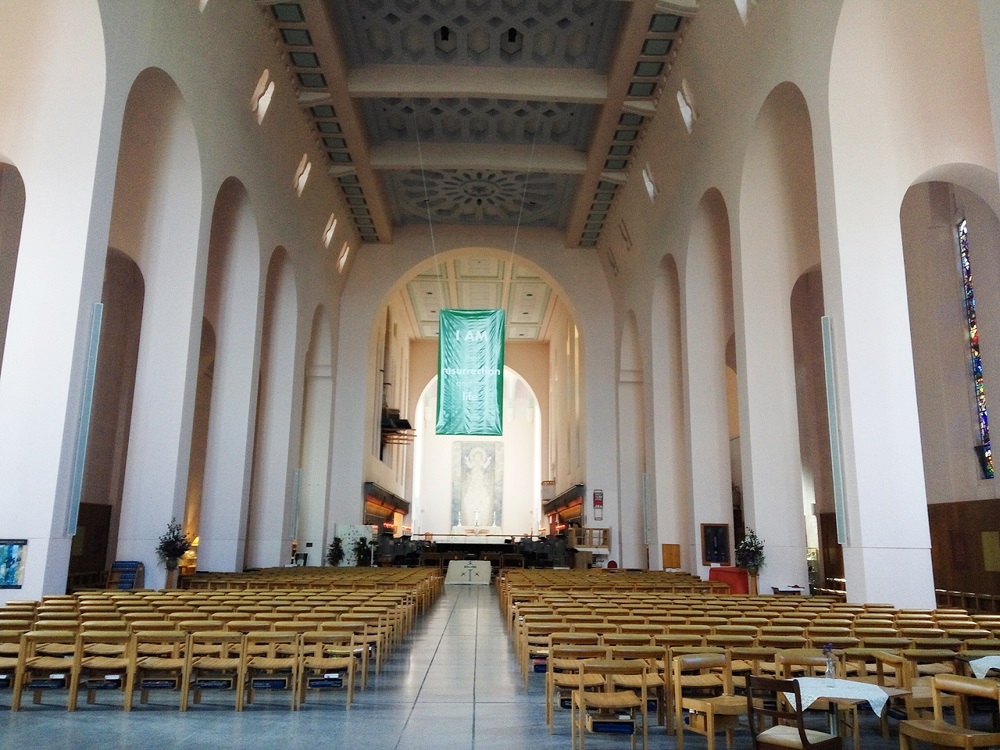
468	572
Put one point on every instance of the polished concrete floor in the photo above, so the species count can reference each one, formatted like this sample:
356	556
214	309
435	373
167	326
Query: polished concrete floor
452	684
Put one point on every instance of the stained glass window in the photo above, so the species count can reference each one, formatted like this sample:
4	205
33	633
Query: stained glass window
984	450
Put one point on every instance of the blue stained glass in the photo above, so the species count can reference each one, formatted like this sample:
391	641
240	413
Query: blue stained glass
986	451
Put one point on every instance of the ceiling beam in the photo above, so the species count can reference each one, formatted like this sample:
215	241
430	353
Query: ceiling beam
333	60
433	81
631	37
404	155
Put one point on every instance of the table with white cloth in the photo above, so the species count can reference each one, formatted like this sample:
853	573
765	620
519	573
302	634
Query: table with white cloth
843	693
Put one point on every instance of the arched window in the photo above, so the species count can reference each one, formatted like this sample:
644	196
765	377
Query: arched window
262	94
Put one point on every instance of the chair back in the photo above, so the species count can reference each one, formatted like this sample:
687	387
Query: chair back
969	687
775	706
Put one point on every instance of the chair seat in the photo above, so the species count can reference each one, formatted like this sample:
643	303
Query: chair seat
272	662
702	681
104	662
215	663
635	681
327	662
613	700
721	705
943	733
789	736
571	680
160	662
49	662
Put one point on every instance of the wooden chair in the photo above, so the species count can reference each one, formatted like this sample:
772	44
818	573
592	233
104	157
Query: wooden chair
271	662
656	681
352	632
105	660
46	661
940	733
703	687
611	702
906	665
328	661
161	661
777	723
216	662
562	672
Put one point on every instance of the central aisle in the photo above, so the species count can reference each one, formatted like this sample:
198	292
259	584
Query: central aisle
455	683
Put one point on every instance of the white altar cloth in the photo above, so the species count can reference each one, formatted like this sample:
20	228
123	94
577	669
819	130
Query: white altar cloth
468	571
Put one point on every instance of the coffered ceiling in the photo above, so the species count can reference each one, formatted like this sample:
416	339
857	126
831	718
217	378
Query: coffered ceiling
480	112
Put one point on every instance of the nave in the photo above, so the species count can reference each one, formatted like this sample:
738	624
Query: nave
453	683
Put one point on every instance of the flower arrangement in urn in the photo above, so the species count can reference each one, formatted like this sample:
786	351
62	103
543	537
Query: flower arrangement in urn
173	545
750	553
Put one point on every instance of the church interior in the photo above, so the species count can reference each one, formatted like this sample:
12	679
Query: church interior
668	300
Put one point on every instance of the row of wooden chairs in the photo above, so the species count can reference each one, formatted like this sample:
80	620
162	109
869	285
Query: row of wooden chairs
701	682
186	662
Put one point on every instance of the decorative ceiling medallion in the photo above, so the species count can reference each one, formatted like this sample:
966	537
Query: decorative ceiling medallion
480	197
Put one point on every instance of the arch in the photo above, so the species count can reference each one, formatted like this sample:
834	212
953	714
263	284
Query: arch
671	452
233	307
510	503
779	240
155	220
270	512
631	516
317	412
946	389
403	365
123	298
929	214
708	326
937	112
11	219
584	330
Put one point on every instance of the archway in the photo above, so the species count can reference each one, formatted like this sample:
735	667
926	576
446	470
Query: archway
269	516
234	269
633	517
709	326
542	346
479	485
155	221
779	241
962	508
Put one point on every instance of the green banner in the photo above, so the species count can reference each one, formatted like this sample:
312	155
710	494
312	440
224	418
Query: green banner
470	372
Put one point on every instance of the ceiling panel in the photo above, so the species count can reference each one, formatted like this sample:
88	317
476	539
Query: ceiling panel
427	298
541	33
528	302
480	295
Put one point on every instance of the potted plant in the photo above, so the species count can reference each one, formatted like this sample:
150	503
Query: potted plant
750	556
173	545
335	552
750	553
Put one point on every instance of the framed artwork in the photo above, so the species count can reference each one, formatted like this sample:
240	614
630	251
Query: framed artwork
12	552
715	544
